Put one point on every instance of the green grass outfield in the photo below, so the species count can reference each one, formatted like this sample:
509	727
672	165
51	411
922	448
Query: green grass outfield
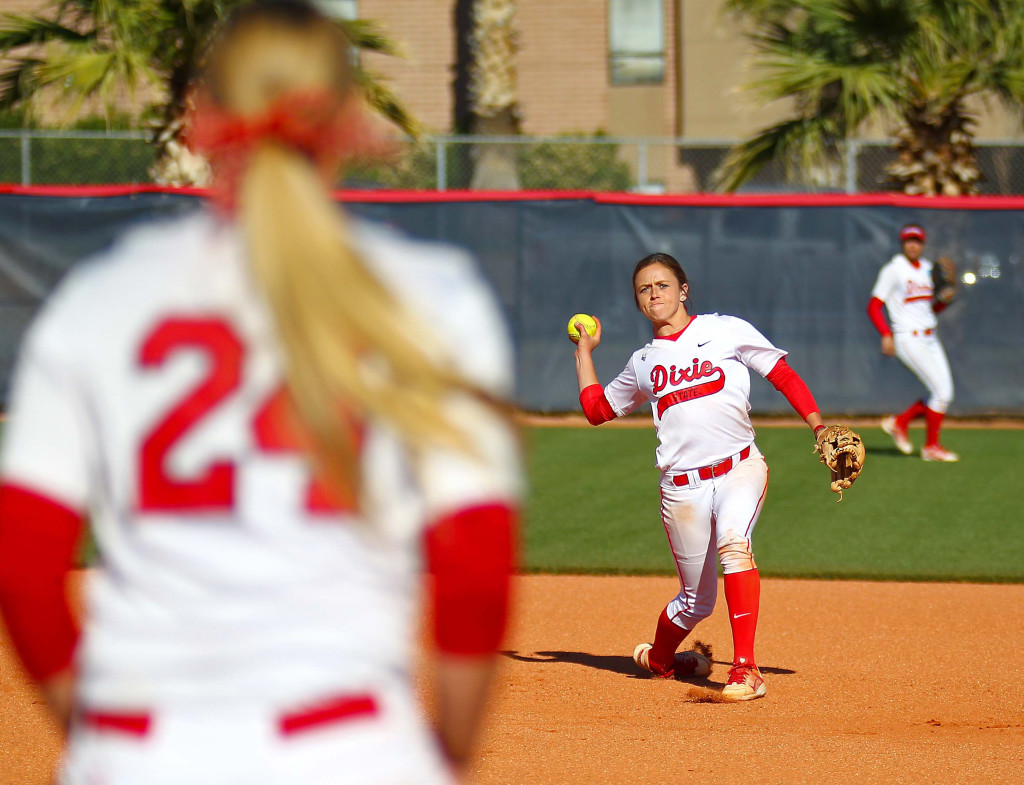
593	508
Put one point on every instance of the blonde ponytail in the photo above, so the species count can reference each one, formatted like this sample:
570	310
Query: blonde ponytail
272	117
350	351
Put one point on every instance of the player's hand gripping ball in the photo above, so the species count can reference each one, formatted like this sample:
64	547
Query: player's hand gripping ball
588	323
842	451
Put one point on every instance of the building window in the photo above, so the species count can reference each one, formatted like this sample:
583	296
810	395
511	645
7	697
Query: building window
636	37
340	9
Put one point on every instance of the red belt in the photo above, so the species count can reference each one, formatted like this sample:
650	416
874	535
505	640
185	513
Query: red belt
929	331
339	709
714	470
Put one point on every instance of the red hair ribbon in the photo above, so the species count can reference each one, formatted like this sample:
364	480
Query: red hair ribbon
327	128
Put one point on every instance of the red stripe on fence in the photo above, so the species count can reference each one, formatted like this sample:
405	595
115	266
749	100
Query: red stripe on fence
678	200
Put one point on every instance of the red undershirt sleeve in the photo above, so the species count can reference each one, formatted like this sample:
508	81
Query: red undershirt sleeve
471	555
595	405
878	317
788	382
939	307
38	541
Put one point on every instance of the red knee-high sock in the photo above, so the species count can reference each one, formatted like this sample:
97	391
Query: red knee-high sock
915	410
666	640
932	426
743	596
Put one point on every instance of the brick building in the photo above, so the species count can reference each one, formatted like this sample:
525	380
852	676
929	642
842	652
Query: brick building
635	68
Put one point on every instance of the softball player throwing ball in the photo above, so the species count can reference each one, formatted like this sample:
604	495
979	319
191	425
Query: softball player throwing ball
271	417
694	373
906	290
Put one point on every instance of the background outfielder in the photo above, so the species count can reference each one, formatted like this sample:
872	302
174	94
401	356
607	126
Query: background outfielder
271	417
905	287
694	373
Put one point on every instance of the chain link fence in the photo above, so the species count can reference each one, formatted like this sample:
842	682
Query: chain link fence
441	163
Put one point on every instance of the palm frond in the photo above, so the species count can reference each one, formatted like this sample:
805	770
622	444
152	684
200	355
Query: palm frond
368	36
18	83
797	143
22	30
384	101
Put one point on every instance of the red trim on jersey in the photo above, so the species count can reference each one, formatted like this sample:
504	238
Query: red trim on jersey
788	382
38	541
136	724
675	336
877	317
917	297
595	405
345	707
471	555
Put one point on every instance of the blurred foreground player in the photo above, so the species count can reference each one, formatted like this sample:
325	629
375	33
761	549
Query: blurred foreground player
271	417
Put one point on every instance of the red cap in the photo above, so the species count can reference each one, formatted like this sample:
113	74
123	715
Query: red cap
911	232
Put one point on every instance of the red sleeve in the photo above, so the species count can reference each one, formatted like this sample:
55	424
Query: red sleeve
38	541
788	382
878	317
595	405
471	555
939	307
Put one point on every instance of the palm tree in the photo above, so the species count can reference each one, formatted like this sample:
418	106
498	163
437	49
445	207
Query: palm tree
79	51
911	65
486	91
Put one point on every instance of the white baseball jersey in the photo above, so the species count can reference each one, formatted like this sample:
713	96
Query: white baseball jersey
146	394
699	388
906	291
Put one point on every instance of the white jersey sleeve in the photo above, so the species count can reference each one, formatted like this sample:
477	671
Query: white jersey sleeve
456	303
887	284
752	348
49	442
623	392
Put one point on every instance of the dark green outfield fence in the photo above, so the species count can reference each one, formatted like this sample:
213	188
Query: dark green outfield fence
799	267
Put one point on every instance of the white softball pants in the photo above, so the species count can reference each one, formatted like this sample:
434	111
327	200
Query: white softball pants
926	359
718	514
215	745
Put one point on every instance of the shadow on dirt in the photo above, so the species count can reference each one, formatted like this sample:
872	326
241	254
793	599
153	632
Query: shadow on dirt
615	663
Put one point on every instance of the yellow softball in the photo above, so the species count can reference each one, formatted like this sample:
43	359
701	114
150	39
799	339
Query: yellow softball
588	323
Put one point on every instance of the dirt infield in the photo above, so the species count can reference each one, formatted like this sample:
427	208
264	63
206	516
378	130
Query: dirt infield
868	683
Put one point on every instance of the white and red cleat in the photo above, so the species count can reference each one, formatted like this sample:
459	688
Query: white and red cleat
687	663
939	453
744	684
899	436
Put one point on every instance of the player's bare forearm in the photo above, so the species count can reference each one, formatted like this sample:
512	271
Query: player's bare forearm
586	374
462	688
814	420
